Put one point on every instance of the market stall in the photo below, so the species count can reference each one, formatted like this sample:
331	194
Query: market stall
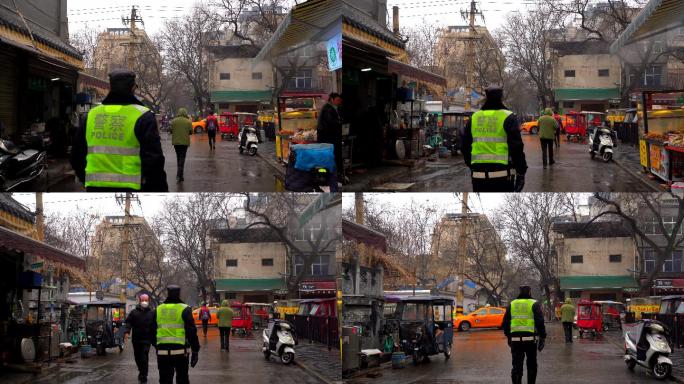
661	145
298	118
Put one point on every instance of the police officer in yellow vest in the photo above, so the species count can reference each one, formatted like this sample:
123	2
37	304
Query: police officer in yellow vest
493	148
176	338
523	325
117	146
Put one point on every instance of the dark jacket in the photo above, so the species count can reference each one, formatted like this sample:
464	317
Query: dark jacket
515	145
151	154
140	322
191	339
329	129
538	320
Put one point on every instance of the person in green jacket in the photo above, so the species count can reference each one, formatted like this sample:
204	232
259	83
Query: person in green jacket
567	317
547	133
225	319
181	128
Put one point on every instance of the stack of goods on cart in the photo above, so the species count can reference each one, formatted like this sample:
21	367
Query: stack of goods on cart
300	124
302	135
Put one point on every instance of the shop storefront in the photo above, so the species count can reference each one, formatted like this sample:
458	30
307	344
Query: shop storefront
38	82
34	313
314	23
385	99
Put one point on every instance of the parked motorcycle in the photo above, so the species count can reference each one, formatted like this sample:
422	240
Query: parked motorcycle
251	141
648	345
19	166
286	340
601	143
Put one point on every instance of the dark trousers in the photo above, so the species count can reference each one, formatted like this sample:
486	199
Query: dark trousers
567	327
141	352
212	140
518	350
547	147
501	184
175	363
205	325
181	151
225	337
558	138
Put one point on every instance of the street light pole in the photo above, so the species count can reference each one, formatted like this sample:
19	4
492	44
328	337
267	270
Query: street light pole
462	249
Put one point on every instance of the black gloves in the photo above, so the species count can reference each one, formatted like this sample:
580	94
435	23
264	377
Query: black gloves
519	183
195	357
540	345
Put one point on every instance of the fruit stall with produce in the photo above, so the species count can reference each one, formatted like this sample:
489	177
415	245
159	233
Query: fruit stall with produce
298	118
661	146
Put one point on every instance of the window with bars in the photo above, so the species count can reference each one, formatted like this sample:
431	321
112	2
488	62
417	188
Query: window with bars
224	76
576	259
266	262
615	258
569	73
256	75
653	76
231	262
603	73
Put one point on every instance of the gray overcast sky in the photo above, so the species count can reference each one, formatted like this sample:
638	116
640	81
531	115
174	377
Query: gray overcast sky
482	202
448	12
102	203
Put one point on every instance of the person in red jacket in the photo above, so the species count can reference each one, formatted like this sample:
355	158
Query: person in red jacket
204	315
212	127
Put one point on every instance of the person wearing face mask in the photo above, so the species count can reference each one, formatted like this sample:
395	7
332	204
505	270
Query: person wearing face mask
140	321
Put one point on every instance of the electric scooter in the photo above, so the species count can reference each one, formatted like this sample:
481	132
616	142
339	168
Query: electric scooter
649	346
286	340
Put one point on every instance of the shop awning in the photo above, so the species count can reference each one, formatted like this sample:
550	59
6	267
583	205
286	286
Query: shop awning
312	21
26	245
658	16
242	285
240	96
419	74
363	234
566	94
584	283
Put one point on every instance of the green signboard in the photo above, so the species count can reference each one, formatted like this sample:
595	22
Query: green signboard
37	265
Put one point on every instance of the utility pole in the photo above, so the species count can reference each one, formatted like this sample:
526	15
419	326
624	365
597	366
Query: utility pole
462	249
358	207
470	51
133	39
40	217
125	243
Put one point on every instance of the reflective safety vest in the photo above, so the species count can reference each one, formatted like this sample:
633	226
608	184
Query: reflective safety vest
522	316
490	142
170	325
113	159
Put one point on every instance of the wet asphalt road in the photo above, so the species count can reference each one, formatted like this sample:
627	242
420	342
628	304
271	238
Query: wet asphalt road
223	170
573	171
244	364
482	356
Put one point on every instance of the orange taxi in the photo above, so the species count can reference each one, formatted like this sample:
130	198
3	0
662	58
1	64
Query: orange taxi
486	317
199	126
213	320
530	127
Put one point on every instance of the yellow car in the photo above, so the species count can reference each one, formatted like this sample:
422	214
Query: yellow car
530	127
199	126
486	317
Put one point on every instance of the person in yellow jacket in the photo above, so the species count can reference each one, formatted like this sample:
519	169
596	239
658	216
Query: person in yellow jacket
493	148
175	339
567	318
548	126
523	325
225	321
117	145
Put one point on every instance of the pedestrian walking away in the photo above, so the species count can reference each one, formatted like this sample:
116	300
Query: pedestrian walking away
225	320
176	338
118	147
141	321
204	315
547	134
181	128
493	148
212	127
523	325
567	318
